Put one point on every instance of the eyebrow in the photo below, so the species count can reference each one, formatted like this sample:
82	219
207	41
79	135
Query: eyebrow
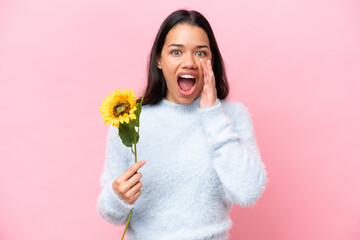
180	45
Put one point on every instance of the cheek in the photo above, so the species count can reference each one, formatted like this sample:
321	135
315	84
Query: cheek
169	67
201	82
169	72
165	69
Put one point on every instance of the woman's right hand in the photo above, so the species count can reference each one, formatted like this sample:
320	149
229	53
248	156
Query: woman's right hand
127	186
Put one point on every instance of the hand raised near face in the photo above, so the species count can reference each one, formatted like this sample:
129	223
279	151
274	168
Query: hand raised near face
208	94
127	186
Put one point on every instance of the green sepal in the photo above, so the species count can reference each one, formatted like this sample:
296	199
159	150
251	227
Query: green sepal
136	122
126	133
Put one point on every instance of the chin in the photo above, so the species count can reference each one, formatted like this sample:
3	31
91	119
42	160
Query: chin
186	100
180	98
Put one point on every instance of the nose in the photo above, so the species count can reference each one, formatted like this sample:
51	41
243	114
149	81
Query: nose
189	61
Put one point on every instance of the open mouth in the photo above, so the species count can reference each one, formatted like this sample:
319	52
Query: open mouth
186	84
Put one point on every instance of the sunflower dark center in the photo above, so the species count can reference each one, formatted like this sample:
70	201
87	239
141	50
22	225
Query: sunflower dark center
121	108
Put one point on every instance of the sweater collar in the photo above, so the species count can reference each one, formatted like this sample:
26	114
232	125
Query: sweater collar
181	108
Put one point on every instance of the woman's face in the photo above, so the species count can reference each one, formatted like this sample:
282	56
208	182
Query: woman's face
180	58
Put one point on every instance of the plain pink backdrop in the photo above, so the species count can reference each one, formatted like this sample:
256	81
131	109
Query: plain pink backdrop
294	64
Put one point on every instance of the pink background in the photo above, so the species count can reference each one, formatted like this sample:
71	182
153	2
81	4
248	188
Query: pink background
295	64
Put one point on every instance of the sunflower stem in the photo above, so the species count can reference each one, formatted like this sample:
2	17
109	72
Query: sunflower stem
135	144
127	223
135	153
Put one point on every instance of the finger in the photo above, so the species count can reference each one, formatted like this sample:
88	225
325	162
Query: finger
132	170
134	189
212	82
124	186
134	179
136	195
205	90
210	71
208	63
204	94
211	94
204	69
203	64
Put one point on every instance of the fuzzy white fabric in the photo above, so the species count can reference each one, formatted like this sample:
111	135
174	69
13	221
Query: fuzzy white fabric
198	163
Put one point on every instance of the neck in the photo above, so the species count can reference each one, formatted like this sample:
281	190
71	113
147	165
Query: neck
181	108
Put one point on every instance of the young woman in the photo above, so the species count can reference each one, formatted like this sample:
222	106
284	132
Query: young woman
200	150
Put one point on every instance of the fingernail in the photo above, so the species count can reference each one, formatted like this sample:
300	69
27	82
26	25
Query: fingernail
143	161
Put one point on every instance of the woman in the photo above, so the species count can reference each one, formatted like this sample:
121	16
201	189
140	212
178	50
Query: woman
200	150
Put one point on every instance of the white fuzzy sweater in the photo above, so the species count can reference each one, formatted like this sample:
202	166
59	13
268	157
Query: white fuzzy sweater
198	163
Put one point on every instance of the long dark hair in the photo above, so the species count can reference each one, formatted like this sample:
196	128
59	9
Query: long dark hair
156	85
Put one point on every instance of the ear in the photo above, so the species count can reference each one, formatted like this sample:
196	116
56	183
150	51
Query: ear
158	64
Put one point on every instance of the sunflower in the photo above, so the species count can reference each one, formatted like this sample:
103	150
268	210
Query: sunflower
119	107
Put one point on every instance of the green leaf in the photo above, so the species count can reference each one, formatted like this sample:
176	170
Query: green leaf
126	134
133	123
138	111
136	122
126	130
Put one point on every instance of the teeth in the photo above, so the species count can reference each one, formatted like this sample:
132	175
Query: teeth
186	76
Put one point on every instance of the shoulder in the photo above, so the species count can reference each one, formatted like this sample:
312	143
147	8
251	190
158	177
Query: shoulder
150	107
240	116
235	109
238	113
230	103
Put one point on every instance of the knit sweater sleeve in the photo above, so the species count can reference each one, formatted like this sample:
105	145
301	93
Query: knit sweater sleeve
109	205
236	157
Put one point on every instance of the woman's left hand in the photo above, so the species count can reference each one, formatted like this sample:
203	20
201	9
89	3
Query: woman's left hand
208	94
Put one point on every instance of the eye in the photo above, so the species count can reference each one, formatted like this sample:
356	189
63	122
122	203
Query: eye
200	53
176	52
